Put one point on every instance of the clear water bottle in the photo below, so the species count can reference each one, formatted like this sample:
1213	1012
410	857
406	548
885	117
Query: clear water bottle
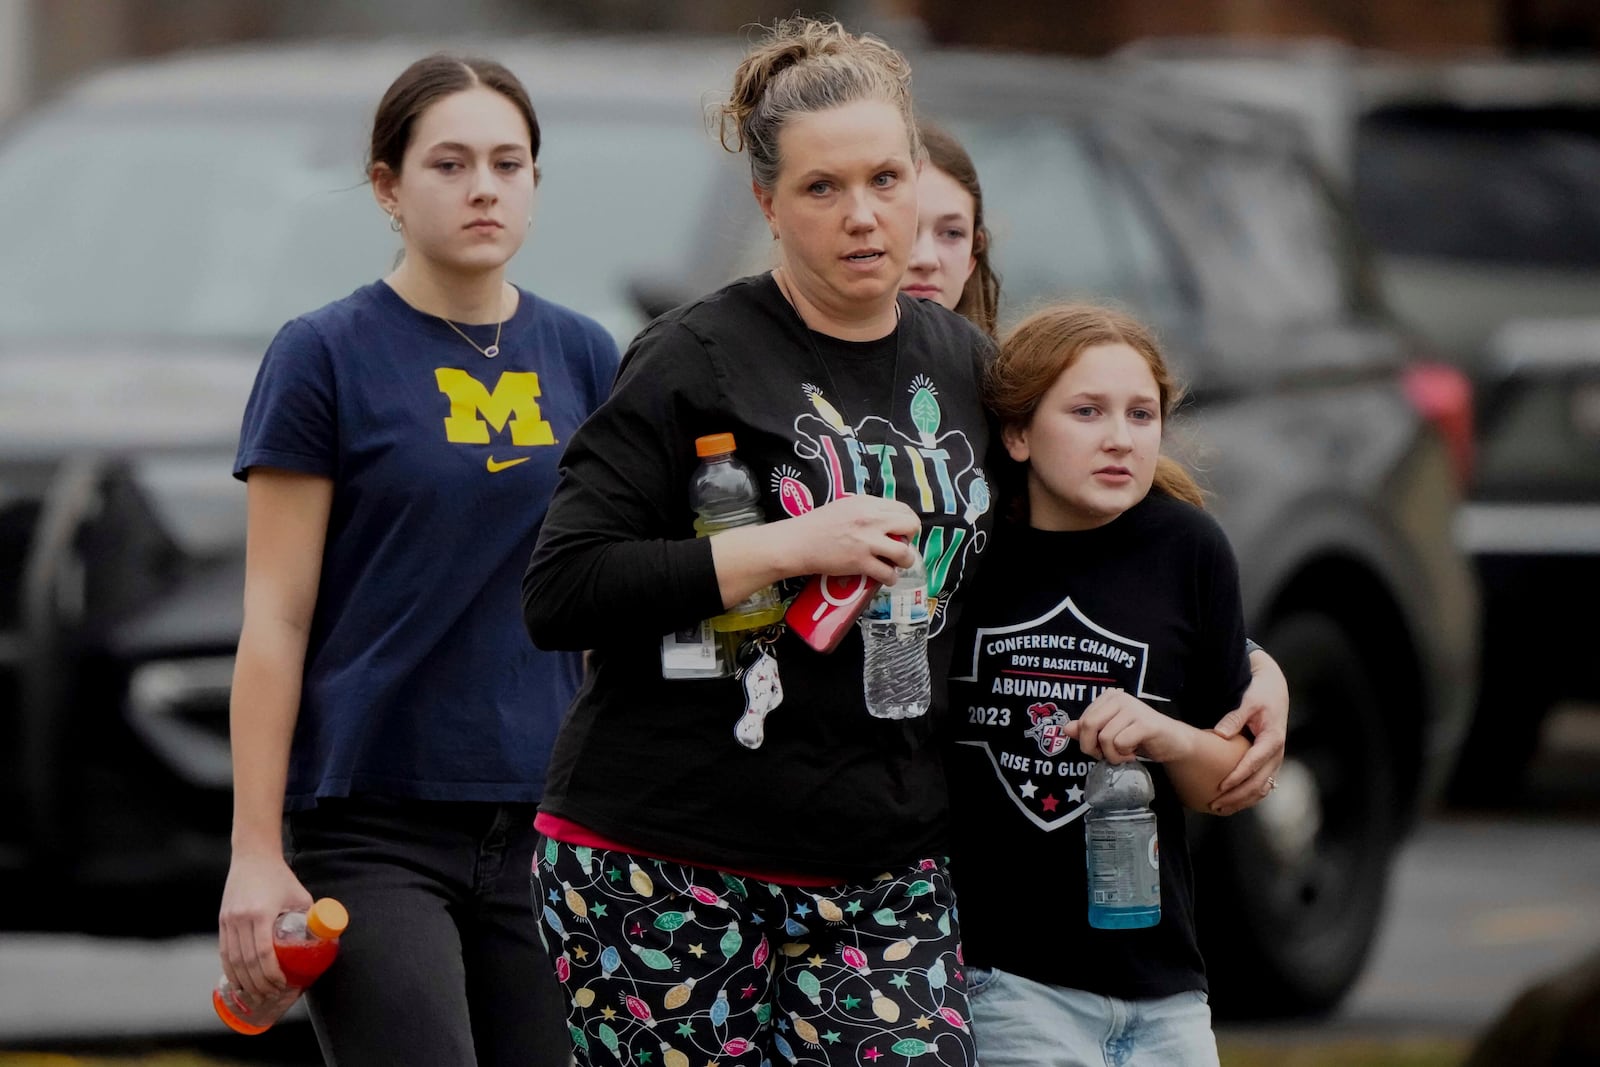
1124	855
306	943
724	495
894	629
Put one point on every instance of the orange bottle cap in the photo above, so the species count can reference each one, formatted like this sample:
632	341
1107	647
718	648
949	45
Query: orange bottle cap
714	444
327	918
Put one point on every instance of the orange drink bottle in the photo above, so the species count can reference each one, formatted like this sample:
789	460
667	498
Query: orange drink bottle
306	943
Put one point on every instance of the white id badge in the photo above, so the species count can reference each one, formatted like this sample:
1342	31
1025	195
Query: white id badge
692	653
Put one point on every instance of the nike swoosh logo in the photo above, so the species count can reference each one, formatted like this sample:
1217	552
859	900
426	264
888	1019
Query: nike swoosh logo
495	467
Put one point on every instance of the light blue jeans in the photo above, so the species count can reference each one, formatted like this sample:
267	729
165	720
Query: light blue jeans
1022	1023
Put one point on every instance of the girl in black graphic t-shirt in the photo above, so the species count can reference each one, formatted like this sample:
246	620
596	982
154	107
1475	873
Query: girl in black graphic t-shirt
950	265
1107	625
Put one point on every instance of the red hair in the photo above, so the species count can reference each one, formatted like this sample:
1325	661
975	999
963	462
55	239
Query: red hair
1042	346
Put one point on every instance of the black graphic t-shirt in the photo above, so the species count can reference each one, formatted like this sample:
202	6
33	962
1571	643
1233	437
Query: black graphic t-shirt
1148	603
653	762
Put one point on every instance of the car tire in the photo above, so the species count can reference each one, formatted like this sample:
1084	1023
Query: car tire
1291	892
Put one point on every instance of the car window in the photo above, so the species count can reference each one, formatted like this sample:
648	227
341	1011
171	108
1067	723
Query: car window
1505	186
224	226
622	200
1060	227
1274	250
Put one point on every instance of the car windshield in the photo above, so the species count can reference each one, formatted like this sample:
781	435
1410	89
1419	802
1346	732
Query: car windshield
223	226
1060	227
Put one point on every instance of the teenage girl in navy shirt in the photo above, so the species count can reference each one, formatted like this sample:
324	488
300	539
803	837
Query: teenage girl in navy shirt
390	723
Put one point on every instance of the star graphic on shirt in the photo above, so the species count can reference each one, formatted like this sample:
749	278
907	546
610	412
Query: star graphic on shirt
923	1022
925	917
872	1054
1028	789
1075	794
832	1037
697	951
554	896
580	952
686	1029
608	1013
1050	803
645	1056
816	961
614	873
747	992
599	911
851	1003
854	907
636	930
900	981
802	910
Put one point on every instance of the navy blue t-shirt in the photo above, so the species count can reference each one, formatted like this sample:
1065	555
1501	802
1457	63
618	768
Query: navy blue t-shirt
419	681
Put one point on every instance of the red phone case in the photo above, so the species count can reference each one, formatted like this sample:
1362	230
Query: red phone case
826	608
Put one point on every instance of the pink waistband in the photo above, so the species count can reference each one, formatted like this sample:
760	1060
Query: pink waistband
570	833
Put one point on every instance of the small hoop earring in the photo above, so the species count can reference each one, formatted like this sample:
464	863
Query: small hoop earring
530	222
394	222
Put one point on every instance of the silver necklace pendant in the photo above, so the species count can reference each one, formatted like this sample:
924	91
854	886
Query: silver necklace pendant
491	351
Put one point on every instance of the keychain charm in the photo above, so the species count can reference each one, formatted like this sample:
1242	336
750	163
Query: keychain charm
763	689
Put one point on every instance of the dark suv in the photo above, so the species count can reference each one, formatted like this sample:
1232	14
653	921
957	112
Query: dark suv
1317	432
1477	181
1480	185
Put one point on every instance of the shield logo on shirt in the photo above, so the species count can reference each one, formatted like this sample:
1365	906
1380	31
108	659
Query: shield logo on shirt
1030	680
1048	729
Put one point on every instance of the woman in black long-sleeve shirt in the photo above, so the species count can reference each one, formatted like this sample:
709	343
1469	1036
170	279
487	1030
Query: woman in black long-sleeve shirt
702	897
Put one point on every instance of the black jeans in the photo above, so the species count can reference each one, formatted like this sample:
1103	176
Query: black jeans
442	964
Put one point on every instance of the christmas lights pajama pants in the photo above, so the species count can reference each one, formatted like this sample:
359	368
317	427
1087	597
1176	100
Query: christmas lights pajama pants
667	965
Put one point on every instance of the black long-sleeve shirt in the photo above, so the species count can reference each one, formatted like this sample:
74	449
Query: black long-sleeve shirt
653	762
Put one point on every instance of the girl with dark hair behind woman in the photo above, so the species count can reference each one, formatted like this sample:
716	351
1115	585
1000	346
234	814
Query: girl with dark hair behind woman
399	447
950	260
951	264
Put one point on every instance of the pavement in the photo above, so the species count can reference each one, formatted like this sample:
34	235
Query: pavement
1480	906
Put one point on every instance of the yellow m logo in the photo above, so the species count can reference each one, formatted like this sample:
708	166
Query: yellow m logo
515	397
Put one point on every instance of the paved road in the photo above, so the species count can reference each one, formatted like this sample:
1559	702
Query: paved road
1480	906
